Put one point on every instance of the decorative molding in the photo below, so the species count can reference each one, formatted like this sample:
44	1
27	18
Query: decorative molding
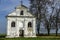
22	16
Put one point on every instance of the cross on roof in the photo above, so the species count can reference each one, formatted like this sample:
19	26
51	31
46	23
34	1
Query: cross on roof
21	2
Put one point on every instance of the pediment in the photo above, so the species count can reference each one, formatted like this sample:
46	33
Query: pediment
17	12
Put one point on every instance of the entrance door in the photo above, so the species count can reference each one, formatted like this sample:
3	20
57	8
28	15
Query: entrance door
21	33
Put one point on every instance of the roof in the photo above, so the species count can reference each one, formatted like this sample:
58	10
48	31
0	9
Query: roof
22	16
21	6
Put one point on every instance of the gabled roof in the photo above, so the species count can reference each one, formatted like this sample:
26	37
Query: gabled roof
18	7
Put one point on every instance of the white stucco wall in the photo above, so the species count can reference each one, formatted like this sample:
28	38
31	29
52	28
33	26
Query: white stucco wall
20	23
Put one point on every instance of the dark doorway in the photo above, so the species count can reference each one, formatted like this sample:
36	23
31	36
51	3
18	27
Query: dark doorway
21	33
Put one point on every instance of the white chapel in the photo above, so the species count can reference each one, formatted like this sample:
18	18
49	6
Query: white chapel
21	23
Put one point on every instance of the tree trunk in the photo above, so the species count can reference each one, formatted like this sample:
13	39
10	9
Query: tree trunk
56	27
57	21
48	30
38	28
56	31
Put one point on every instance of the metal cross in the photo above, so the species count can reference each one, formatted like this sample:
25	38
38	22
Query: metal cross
21	2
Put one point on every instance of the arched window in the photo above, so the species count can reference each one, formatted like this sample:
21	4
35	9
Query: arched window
21	13
29	24
13	24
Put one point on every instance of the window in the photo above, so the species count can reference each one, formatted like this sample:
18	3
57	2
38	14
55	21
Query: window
13	24
29	24
21	13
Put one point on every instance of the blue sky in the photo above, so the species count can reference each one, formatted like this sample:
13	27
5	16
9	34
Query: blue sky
6	7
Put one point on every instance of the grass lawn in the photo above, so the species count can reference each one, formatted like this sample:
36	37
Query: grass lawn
51	37
37	38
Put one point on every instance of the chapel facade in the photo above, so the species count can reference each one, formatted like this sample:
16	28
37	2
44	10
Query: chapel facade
21	23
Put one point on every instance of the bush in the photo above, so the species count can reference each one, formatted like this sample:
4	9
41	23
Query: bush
2	35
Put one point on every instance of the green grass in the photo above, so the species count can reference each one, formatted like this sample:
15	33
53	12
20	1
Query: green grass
37	38
51	37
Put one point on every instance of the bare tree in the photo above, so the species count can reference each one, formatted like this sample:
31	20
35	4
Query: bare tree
39	9
36	7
